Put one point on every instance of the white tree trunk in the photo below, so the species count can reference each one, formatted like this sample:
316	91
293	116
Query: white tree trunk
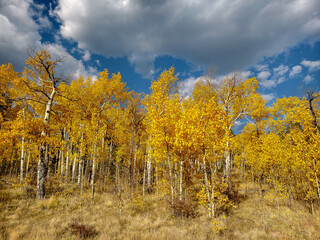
67	162
74	165
207	185
22	160
149	168
180	182
28	162
93	172
44	148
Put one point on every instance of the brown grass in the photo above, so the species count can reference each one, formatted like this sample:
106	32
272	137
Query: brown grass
67	216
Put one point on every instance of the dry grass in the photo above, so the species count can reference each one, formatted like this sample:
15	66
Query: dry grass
67	216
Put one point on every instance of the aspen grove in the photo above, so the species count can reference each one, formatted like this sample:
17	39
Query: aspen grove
98	135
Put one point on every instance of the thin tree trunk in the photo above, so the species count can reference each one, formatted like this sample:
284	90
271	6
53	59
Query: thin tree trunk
180	182
28	162
317	181
42	170
22	160
171	180
134	167
61	163
149	168
74	166
207	184
93	172
67	162
43	154
144	178
228	166
80	172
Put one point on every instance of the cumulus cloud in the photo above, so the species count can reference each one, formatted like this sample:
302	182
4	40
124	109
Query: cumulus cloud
245	75
311	65
295	71
281	70
18	32
230	34
308	79
187	85
86	56
269	83
143	63
239	125
20	23
69	64
268	97
264	75
261	67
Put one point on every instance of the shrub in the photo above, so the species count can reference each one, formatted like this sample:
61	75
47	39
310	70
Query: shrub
82	231
184	208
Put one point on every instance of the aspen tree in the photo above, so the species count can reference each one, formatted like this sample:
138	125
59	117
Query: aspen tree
160	120
41	79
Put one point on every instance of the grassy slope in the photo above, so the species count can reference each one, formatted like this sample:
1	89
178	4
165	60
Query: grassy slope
23	217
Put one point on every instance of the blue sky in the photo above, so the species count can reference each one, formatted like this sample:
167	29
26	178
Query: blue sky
276	41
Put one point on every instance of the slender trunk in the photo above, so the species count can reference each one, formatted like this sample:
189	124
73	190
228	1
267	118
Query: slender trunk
228	166
43	154
67	162
149	168
156	172
28	162
74	165
180	182
61	163
134	167
171	180
22	160
42	170
144	178
317	181
110	159
93	172
175	171
207	184
80	172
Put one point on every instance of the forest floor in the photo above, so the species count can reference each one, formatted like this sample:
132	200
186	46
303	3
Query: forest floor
66	215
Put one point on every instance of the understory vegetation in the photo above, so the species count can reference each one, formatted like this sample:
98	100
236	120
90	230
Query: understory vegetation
65	214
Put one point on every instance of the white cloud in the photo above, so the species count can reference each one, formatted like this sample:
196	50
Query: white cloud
70	65
261	68
245	75
308	79
44	23
281	70
311	65
268	97
18	32
86	56
269	83
21	21
281	80
264	75
143	63
230	34
295	70
186	86
239	125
